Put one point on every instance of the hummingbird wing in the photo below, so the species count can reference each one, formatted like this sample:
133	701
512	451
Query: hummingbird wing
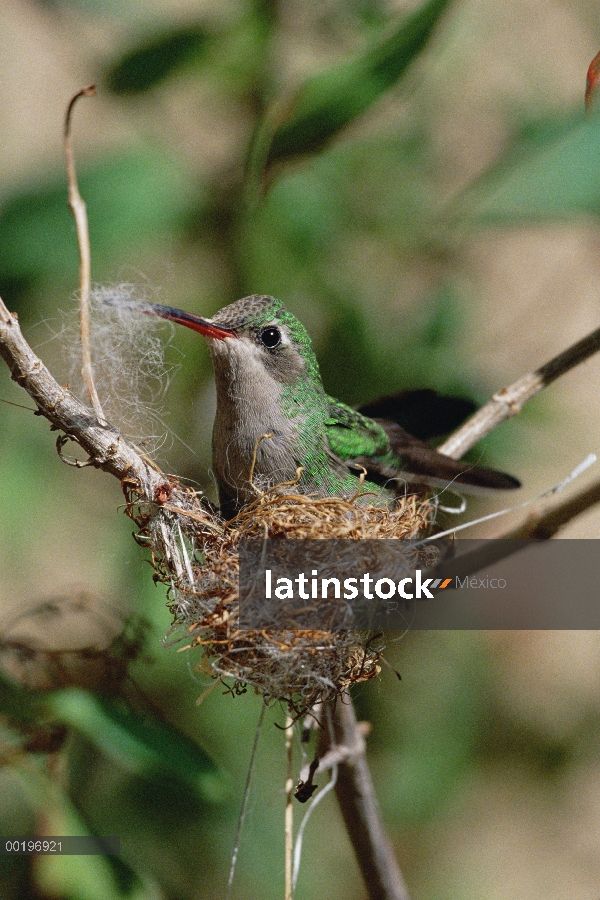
423	412
351	434
420	459
386	450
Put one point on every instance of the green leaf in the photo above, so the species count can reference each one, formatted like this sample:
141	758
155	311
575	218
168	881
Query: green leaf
85	877
130	198
552	172
155	59
138	741
330	100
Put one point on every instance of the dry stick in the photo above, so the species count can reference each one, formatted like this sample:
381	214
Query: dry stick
79	211
337	754
510	400
537	527
242	815
358	803
289	809
545	525
507	403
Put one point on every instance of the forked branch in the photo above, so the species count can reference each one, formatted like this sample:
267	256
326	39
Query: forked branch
544	525
358	803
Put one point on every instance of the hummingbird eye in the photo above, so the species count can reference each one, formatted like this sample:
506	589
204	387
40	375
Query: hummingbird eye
271	337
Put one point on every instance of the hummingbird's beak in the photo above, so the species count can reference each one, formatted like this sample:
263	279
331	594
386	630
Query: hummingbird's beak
196	323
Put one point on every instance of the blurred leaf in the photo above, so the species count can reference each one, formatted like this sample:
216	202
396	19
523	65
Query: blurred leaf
25	471
155	59
349	350
371	12
319	216
551	172
330	100
137	741
442	327
85	877
130	198
429	347
381	185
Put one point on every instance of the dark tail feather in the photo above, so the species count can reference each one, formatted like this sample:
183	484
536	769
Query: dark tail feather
421	460
429	463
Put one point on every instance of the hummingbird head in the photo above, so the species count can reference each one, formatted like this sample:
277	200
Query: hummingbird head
251	337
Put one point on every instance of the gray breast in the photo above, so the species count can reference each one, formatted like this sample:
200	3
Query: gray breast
248	407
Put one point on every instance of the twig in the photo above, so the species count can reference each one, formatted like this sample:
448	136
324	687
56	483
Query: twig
510	400
541	526
315	803
590	460
337	754
358	803
545	525
242	816
79	211
289	809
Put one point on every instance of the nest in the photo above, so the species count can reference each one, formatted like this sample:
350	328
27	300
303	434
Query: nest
196	554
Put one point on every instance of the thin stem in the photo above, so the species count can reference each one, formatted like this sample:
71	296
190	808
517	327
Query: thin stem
315	802
79	211
547	524
289	809
242	816
360	810
590	460
510	400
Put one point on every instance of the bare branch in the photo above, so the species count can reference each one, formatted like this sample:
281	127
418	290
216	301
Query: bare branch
105	446
540	526
78	208
338	754
242	815
358	803
289	808
545	525
510	400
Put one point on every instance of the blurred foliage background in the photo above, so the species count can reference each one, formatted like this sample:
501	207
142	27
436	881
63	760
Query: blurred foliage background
418	184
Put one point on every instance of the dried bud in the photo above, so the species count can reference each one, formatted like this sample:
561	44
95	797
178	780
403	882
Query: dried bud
593	76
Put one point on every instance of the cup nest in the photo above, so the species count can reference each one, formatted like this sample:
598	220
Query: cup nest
196	554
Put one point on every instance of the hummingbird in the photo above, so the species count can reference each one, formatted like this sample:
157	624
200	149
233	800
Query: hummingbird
275	422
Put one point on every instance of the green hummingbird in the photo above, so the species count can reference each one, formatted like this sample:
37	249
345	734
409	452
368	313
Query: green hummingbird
274	417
